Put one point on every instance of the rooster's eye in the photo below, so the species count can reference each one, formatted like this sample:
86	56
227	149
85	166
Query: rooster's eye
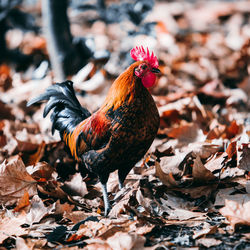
144	66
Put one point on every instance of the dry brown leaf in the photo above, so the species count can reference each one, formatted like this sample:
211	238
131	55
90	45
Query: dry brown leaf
186	133
178	209
6	112
214	89
41	172
209	242
236	213
97	244
29	244
197	192
23	202
25	146
232	130
168	167
77	216
15	181
126	241
169	117
207	229
216	162
244	162
200	173
203	149
90	229
63	209
231	150
76	186
146	202
120	206
37	210
228	194
53	189
11	227
36	157
216	132
182	215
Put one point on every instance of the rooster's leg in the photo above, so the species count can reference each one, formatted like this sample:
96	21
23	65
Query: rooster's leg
107	206
122	174
120	184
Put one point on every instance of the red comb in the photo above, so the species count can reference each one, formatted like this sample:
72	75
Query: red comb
139	54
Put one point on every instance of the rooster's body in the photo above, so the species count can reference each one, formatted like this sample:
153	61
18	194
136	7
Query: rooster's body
118	134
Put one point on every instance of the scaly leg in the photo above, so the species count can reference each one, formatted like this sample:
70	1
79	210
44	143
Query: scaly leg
120	184
107	206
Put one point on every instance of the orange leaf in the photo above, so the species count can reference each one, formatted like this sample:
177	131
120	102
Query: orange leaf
232	130
231	150
99	211
23	202
35	158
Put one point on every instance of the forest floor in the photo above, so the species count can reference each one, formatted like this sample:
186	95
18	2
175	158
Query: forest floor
192	189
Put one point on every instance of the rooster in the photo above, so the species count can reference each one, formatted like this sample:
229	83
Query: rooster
117	135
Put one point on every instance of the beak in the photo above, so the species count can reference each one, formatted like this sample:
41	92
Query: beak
155	70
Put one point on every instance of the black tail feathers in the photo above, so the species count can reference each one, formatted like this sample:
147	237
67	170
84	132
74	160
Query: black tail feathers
67	111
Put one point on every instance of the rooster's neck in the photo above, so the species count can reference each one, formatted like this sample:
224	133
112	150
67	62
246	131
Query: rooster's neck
123	89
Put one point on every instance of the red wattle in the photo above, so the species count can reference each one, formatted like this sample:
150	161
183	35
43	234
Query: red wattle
148	80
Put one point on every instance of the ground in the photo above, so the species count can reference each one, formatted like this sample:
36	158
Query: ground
191	189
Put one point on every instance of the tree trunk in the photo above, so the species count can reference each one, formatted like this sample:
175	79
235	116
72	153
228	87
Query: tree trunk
64	57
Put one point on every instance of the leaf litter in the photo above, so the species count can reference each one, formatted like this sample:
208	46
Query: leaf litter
192	187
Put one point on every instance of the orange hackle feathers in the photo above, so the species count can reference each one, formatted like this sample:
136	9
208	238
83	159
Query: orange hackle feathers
121	89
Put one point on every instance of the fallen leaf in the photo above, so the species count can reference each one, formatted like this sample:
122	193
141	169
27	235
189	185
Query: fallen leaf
94	244
209	242
53	189
214	89
15	181
244	162
63	209
5	77
24	244
168	168
76	186
236	213
207	229
36	157
186	133
229	194
11	227
177	209
23	202
198	192
41	171
231	150
37	210
216	162
120	206
232	130
77	216
200	172
126	241
182	214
